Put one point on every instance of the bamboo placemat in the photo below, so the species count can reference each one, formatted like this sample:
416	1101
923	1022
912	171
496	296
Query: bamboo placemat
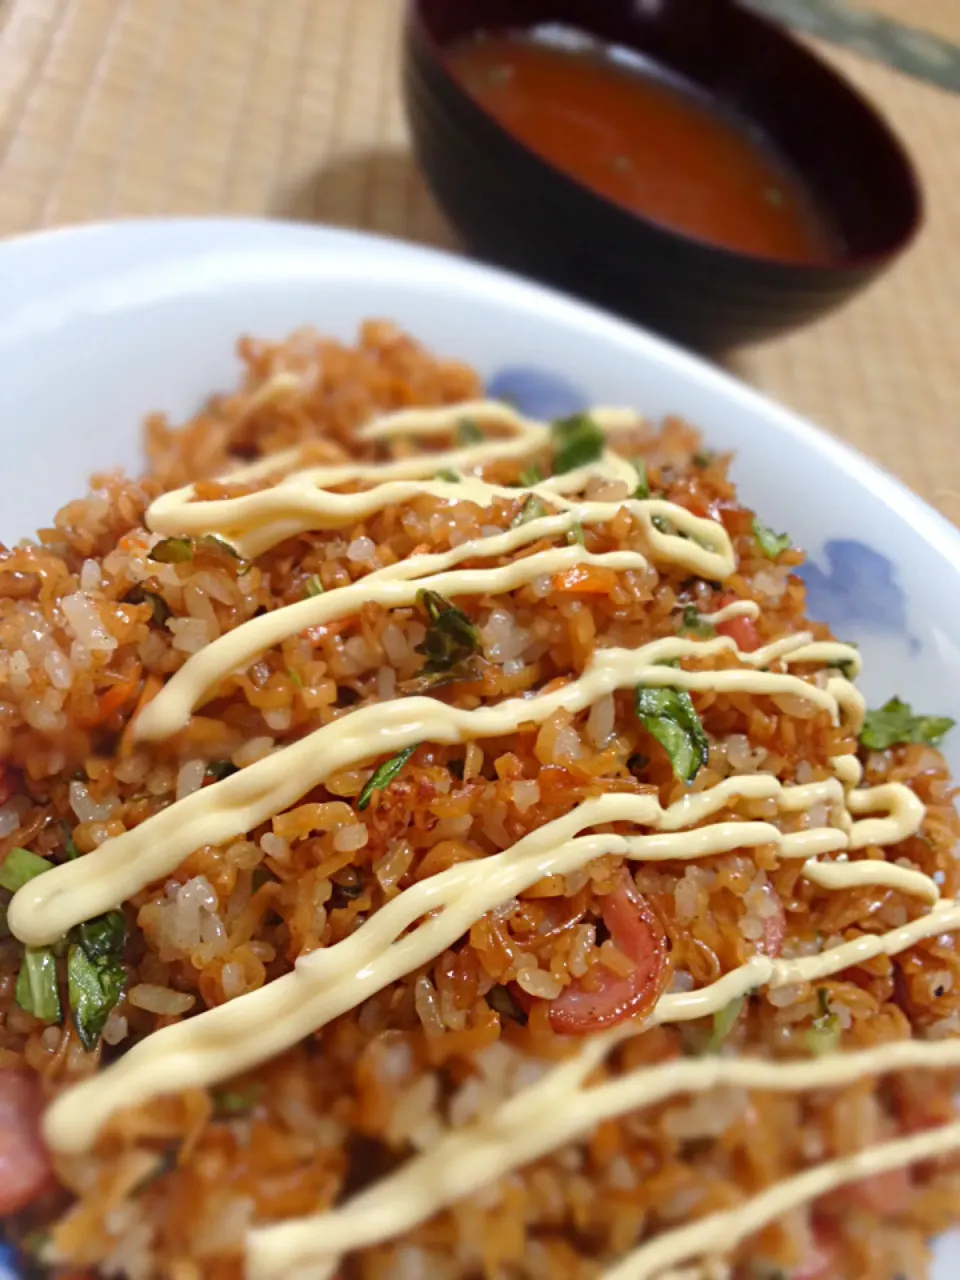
290	108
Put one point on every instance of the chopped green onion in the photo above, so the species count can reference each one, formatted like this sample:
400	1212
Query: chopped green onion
37	991
139	595
236	1102
172	551
211	542
532	509
295	677
451	477
824	1035
468	432
220	769
70	850
451	636
383	776
575	535
770	543
669	716
643	484
577	441
703	460
105	935
694	625
724	1020
895	723
314	586
19	867
530	476
94	987
661	524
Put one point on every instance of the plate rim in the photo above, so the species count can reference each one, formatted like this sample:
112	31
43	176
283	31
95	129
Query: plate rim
129	241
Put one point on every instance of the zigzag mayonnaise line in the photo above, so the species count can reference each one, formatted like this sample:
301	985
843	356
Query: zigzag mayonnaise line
51	904
557	1109
235	1036
424	919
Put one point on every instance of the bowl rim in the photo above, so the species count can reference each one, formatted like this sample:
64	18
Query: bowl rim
61	258
823	268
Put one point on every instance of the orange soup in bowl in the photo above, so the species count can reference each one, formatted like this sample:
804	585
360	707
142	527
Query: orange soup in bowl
606	117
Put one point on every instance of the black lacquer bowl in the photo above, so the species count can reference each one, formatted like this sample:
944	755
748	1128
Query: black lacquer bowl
511	207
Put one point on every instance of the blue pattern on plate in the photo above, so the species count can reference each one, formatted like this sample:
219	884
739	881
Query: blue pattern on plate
858	592
8	1263
536	393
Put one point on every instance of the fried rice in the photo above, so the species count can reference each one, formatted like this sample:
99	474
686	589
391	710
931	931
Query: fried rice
98	614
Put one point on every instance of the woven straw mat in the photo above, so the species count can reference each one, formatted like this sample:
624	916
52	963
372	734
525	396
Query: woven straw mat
291	108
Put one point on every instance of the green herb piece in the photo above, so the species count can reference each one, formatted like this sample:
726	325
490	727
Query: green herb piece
575	535
468	432
383	776
824	1034
577	441
530	476
661	524
532	509
846	668
220	769
770	543
295	677
703	459
166	1162
694	625
70	850
451	477
105	935
36	991
643	484
451	636
426	683
895	723
172	551
211	542
314	586
724	1021
669	716
94	987
139	595
19	867
236	1102
35	1242
347	887
501	1001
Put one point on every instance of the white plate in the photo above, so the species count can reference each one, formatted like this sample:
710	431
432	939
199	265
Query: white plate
100	325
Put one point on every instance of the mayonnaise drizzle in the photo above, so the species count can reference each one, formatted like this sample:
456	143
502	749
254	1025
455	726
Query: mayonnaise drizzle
558	1109
422	921
328	982
51	904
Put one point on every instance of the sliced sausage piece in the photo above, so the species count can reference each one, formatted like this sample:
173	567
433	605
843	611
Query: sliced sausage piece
25	1169
639	935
